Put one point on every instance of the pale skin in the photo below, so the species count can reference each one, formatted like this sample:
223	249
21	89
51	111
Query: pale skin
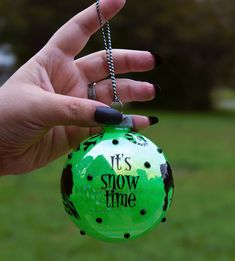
44	110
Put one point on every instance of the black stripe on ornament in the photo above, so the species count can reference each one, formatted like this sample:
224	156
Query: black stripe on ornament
168	182
66	186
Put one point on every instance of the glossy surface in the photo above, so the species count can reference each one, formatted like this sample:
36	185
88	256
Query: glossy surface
117	185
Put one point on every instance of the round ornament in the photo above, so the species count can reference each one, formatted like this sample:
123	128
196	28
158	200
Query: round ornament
117	185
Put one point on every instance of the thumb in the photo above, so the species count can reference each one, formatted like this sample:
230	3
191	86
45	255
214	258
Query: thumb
66	110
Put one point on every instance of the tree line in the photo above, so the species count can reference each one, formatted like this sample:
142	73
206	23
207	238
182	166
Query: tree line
195	38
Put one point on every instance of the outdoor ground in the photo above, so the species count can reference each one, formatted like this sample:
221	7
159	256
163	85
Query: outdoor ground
200	225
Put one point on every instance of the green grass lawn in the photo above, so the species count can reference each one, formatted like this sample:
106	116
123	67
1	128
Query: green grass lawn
200	224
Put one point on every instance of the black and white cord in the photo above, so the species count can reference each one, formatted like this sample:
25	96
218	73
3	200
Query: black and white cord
106	34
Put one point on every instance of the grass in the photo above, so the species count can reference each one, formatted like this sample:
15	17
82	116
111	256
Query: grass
200	224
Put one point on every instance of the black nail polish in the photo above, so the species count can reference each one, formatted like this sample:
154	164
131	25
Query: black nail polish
158	59
157	88
107	115
153	120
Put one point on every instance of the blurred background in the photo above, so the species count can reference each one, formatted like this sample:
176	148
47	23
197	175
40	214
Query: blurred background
196	107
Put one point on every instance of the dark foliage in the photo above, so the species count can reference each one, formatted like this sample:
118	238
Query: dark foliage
194	37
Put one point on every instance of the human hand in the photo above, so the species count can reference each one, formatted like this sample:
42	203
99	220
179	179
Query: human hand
44	110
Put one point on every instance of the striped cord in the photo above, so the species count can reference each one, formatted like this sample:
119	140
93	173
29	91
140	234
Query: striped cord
106	34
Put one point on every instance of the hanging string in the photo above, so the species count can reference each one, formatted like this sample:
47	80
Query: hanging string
106	34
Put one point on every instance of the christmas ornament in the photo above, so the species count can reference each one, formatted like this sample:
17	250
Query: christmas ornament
116	185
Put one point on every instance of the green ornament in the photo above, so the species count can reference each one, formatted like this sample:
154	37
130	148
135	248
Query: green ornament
117	185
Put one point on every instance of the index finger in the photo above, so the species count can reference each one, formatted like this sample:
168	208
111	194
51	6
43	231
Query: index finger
73	36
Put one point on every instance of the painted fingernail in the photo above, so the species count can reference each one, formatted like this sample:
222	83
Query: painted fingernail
157	88
158	59
107	115
153	120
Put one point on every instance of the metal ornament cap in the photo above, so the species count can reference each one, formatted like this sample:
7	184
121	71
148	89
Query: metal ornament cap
117	185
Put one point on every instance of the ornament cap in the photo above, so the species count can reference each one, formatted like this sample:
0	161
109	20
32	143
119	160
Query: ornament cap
125	124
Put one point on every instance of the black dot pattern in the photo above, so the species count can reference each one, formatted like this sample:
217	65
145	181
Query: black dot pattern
164	220
159	150
127	235
147	165
83	233
70	156
90	177
143	212
115	142
99	220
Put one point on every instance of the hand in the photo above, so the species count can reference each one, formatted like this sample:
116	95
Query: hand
44	110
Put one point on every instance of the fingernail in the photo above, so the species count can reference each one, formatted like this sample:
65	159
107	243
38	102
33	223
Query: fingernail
157	88
158	59
107	115
153	120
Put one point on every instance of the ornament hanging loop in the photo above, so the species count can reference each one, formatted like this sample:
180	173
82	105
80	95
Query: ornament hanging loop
117	105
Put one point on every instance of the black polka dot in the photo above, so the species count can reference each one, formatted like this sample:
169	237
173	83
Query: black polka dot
127	235
115	142
99	220
83	233
164	220
147	165
70	156
159	150
90	177
143	212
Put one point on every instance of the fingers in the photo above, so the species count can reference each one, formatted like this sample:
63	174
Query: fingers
128	91
95	65
141	122
73	36
65	110
60	110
